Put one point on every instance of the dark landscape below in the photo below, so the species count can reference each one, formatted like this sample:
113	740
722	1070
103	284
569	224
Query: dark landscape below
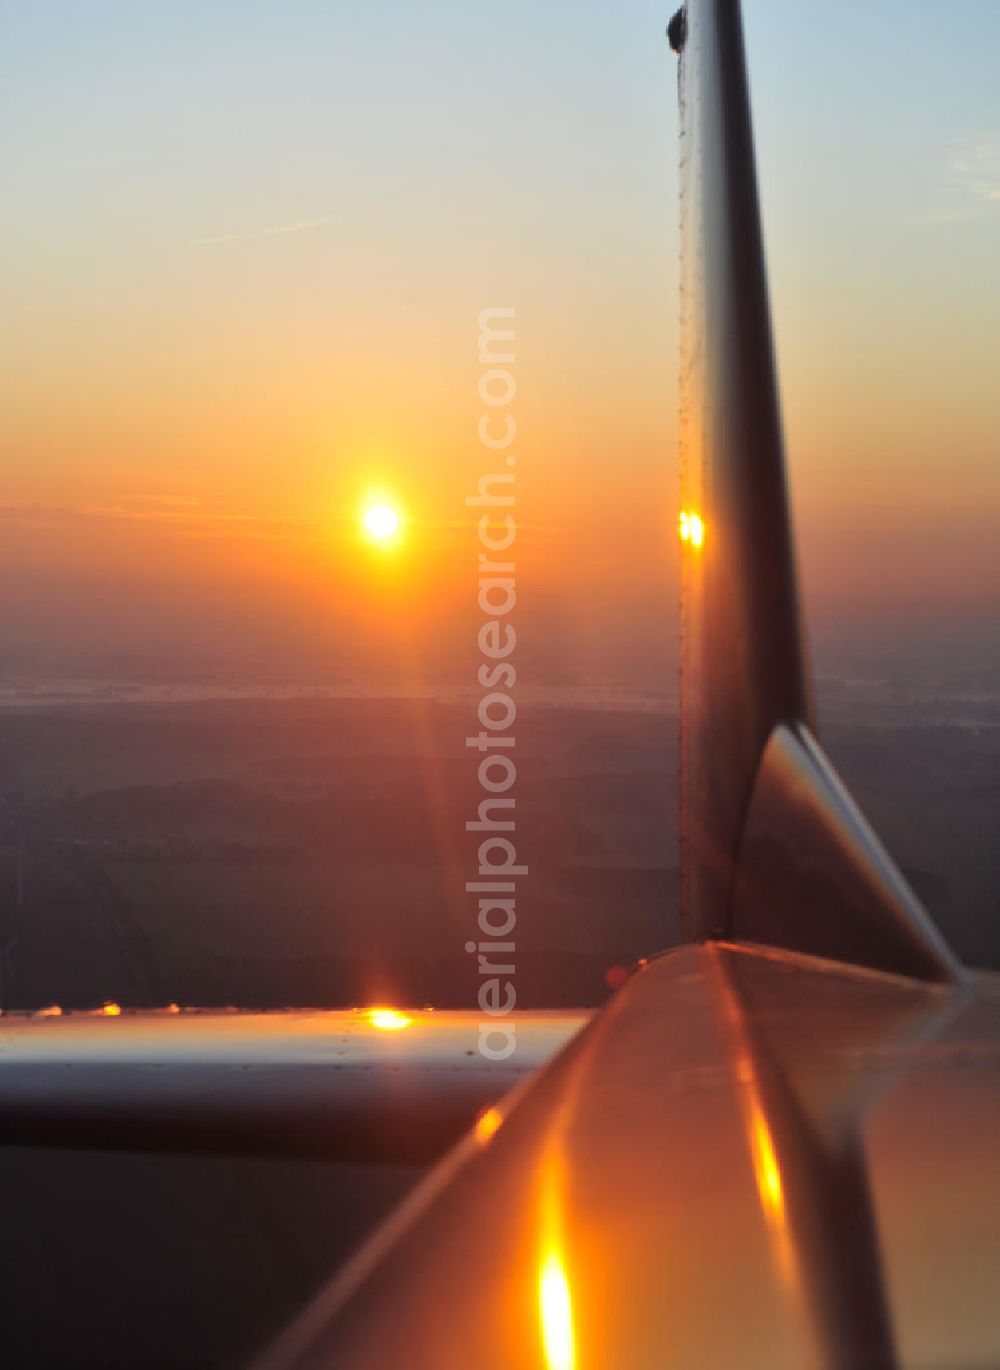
313	852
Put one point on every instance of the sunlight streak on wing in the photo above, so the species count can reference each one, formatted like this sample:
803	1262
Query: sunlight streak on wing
387	1019
556	1313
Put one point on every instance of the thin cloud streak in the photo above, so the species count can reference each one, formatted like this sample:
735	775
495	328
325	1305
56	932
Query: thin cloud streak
976	169
271	231
971	184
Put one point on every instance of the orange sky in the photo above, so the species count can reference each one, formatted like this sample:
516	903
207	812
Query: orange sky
242	287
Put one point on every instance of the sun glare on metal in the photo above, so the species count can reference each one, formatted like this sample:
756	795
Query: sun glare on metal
388	1019
487	1124
380	522
691	528
557	1315
765	1164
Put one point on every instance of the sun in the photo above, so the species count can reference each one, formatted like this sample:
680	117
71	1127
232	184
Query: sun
380	521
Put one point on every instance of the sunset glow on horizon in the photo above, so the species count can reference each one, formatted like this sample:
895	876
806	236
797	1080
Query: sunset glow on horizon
239	342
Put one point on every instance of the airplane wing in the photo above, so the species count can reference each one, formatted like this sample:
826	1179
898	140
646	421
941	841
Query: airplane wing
359	1085
750	1159
775	1147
